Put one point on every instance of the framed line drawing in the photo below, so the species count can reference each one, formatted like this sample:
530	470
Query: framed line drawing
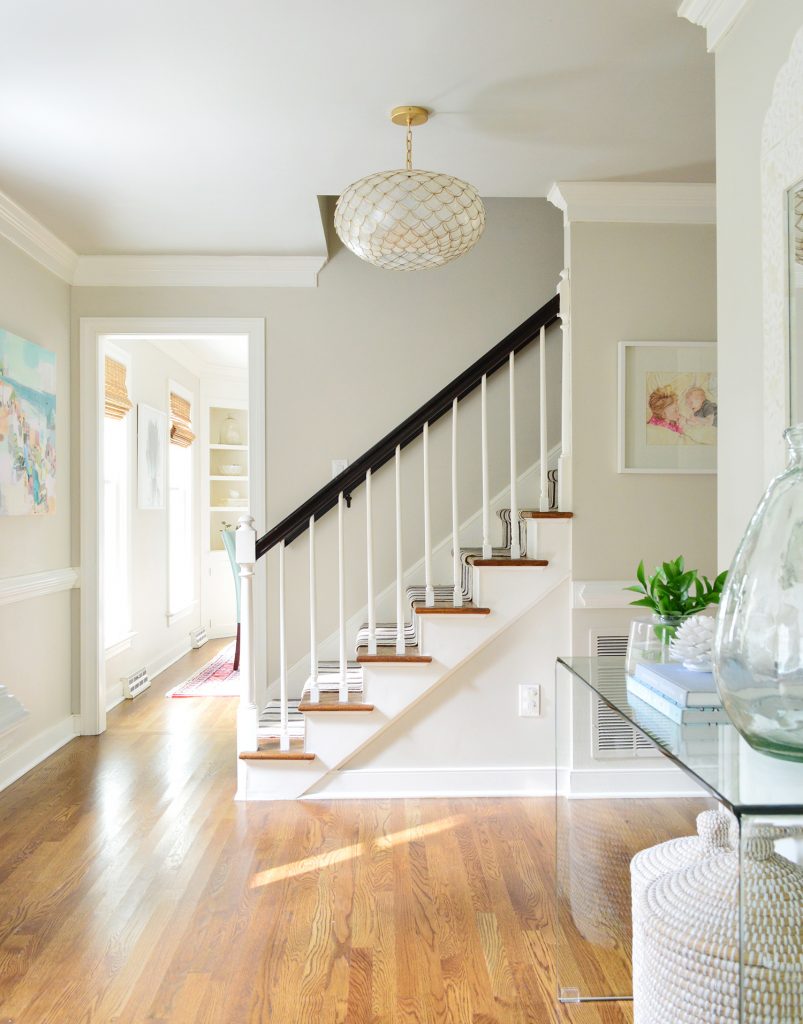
668	414
151	457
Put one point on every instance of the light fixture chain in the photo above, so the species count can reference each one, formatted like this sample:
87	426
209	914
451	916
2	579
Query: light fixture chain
409	146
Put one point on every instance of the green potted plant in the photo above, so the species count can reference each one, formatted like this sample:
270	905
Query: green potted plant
674	594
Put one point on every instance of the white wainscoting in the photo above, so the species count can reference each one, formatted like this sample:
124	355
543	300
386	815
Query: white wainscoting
440	782
37	584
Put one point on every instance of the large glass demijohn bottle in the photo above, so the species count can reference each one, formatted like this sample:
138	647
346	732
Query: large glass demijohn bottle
758	649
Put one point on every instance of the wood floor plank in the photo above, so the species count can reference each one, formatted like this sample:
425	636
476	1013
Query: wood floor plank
133	889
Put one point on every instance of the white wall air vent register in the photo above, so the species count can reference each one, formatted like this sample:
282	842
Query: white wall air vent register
136	683
611	736
198	637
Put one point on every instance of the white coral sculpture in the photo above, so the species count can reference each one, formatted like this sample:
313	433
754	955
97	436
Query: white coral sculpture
694	642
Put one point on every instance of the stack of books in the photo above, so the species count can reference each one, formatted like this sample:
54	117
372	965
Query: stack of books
687	698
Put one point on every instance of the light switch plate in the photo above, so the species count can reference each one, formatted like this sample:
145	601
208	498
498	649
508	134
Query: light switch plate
338	465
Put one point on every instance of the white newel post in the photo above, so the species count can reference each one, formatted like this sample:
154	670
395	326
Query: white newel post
400	644
247	712
515	547
487	550
565	463
343	682
369	558
544	456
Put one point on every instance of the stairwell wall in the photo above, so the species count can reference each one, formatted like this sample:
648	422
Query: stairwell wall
36	649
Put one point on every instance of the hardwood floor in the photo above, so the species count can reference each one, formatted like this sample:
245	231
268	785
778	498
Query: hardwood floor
134	889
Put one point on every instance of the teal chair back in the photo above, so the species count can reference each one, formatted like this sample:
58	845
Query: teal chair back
229	544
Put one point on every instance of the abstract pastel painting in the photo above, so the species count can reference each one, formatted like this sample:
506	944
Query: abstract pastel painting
27	427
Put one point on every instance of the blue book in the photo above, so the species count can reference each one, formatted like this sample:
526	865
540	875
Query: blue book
673	711
686	689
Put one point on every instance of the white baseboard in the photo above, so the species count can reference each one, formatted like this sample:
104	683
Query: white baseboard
20	761
437	782
164	661
627	783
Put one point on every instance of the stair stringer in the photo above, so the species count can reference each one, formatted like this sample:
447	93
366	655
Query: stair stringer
394	689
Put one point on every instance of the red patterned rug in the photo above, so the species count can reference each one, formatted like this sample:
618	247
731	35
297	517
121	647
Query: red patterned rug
216	679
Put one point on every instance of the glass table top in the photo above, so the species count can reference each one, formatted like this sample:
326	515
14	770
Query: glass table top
716	756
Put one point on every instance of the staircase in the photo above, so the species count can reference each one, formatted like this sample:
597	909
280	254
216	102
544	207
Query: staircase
287	748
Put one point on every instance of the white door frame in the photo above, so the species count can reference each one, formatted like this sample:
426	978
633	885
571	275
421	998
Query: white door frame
94	333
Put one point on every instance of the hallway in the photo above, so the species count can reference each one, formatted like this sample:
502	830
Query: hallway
135	889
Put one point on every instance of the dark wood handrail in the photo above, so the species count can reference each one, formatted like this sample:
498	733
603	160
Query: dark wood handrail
293	525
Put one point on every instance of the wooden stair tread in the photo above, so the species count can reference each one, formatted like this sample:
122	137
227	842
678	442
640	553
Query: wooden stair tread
480	562
388	656
531	513
420	608
335	706
276	755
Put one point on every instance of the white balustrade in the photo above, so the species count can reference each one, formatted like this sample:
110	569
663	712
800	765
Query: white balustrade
515	547
430	589
247	712
343	687
400	645
544	499
487	550
457	574
314	688
284	731
369	557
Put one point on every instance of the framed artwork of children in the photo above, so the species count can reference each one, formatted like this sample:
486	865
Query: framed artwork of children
667	407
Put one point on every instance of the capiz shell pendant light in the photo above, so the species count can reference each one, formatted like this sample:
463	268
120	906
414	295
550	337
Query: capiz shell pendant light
409	219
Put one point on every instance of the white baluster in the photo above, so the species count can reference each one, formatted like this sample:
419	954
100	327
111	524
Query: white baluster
515	547
369	555
430	590
487	550
400	646
314	688
284	731
247	712
544	501
565	461
343	694
456	566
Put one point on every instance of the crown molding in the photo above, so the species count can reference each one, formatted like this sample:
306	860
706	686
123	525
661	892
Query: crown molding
717	17
25	231
634	202
199	271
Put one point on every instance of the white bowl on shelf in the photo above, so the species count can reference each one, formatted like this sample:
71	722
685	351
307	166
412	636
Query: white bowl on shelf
230	470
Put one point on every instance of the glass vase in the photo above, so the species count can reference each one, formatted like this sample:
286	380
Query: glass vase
649	640
758	649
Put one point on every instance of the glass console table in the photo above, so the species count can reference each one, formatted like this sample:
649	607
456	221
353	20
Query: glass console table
736	942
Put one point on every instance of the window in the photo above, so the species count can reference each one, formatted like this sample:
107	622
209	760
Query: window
116	503
181	546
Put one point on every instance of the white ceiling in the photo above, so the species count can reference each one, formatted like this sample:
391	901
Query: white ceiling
206	355
195	126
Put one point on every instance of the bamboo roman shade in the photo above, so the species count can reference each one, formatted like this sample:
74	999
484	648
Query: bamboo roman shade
118	403
180	422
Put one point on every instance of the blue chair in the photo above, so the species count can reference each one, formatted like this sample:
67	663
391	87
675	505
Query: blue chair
229	544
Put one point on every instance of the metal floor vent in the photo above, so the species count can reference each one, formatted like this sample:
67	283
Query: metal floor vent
134	684
611	736
198	637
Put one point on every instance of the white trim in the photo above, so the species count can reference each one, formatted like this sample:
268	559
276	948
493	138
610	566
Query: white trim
165	661
601	594
37	584
93	333
123	644
634	202
357	784
36	749
182	613
199	271
28	234
717	17
627	783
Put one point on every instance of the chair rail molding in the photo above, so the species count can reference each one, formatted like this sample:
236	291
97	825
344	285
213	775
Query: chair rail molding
39	242
37	584
600	594
634	202
781	168
717	17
